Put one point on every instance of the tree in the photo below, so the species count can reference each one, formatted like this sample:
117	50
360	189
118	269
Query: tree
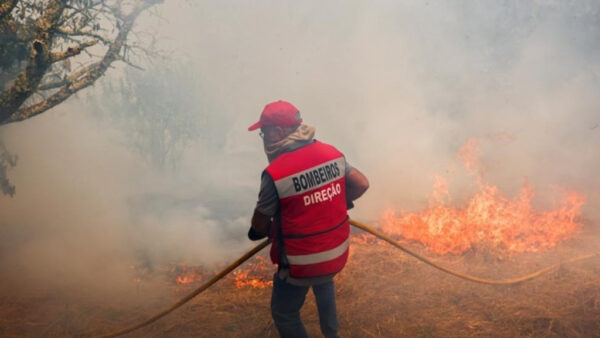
7	160
51	49
159	118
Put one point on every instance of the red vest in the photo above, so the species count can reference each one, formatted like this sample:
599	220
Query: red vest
313	226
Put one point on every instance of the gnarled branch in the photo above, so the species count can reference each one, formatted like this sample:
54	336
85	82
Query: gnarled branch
70	32
6	7
89	74
38	63
71	51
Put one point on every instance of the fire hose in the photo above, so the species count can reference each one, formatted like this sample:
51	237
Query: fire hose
365	228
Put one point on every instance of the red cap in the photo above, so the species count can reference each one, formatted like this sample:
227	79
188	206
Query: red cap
278	113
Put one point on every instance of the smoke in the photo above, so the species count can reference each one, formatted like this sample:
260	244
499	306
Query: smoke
87	208
398	87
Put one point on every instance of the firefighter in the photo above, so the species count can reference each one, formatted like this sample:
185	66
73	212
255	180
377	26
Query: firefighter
302	206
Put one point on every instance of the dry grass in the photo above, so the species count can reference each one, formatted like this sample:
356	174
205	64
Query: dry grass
381	293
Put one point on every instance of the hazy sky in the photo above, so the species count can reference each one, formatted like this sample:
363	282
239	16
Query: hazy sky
398	86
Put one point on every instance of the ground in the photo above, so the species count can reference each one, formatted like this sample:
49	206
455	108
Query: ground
381	293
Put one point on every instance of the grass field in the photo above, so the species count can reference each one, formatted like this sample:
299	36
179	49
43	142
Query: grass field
380	293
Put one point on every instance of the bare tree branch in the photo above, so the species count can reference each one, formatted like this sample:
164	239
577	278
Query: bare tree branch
87	75
66	27
71	51
6	7
39	61
53	85
129	63
70	32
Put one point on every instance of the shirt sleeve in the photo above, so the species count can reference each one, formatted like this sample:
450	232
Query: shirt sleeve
347	168
349	203
268	202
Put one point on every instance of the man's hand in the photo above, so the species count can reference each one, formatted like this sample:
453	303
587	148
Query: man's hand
261	225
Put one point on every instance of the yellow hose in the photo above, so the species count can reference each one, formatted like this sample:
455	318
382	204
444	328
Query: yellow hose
361	226
194	293
530	276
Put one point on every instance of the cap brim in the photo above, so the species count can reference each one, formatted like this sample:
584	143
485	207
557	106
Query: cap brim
254	126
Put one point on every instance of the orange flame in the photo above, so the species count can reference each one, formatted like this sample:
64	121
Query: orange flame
186	275
255	276
489	217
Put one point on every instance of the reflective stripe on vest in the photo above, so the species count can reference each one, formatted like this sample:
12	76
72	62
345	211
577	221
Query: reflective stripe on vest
311	178
320	256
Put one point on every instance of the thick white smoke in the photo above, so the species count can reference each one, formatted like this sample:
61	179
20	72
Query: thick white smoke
397	86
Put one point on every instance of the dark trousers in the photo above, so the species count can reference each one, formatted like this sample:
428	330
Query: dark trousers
286	301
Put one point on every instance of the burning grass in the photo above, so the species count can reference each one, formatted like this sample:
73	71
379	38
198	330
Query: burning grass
413	300
381	293
488	217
